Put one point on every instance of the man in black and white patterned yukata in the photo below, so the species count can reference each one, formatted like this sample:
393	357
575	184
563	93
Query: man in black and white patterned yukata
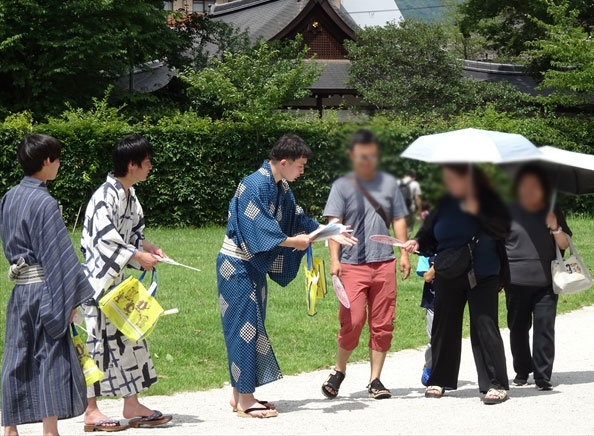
112	240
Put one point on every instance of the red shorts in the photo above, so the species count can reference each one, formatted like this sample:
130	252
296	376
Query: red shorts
371	288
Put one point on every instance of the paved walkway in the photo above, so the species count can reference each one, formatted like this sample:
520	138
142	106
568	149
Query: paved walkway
566	410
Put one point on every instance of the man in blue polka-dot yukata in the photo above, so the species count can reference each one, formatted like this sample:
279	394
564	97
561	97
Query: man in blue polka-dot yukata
266	234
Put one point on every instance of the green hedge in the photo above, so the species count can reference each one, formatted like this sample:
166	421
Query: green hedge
198	162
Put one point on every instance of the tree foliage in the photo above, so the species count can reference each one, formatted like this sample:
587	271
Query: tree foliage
203	38
508	25
53	52
251	85
198	162
570	50
406	69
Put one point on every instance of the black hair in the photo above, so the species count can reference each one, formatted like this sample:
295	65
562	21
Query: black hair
363	137
35	149
291	147
410	173
480	181
425	205
540	174
131	149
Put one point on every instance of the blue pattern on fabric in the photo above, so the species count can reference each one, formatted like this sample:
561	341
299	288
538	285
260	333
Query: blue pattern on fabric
41	374
262	214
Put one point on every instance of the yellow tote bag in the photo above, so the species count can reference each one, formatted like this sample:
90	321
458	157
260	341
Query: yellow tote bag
315	281
131	308
92	373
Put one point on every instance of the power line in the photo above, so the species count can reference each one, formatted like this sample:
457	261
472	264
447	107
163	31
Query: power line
412	8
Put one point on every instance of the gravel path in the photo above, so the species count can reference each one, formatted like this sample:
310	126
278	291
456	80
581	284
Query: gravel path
566	410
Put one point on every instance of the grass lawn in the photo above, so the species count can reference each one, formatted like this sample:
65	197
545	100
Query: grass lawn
188	348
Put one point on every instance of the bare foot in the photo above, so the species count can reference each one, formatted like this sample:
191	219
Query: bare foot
136	411
94	416
259	411
11	431
233	403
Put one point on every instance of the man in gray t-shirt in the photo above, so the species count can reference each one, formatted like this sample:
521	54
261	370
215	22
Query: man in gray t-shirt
370	202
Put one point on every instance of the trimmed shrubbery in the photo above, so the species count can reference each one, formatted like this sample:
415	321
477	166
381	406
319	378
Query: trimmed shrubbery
198	162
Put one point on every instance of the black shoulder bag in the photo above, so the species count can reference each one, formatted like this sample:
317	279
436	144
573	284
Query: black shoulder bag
376	206
456	262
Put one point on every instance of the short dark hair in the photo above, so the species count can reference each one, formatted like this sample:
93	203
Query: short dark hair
130	149
35	149
410	173
289	146
540	174
363	137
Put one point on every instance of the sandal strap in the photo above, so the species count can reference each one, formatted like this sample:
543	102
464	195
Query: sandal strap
377	386
335	379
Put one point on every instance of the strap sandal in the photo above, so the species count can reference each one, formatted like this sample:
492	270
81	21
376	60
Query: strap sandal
106	425
332	384
156	419
434	392
258	412
495	396
378	391
263	403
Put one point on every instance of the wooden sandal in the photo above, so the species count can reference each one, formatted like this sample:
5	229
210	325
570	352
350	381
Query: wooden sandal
155	420
333	382
434	392
495	396
106	425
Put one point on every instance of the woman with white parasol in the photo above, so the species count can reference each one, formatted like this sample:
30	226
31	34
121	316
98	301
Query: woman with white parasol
538	225
466	232
531	302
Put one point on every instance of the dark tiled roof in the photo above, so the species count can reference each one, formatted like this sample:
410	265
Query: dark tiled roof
515	75
263	19
150	77
333	77
346	17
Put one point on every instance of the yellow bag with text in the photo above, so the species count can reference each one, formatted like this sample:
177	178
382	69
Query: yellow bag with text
90	369
132	308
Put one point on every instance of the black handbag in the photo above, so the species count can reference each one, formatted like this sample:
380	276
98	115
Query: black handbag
455	262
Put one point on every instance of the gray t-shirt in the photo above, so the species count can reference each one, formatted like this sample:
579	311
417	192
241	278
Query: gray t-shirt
531	247
346	202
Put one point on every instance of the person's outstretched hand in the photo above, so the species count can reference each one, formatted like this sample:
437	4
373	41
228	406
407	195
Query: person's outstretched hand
411	246
300	242
345	239
146	260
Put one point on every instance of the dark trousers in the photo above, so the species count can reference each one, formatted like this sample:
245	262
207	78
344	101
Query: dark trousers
527	305
446	337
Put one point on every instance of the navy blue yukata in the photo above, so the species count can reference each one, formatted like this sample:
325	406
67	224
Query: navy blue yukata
262	214
41	374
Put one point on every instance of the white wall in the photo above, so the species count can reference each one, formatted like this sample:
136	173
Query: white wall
372	12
